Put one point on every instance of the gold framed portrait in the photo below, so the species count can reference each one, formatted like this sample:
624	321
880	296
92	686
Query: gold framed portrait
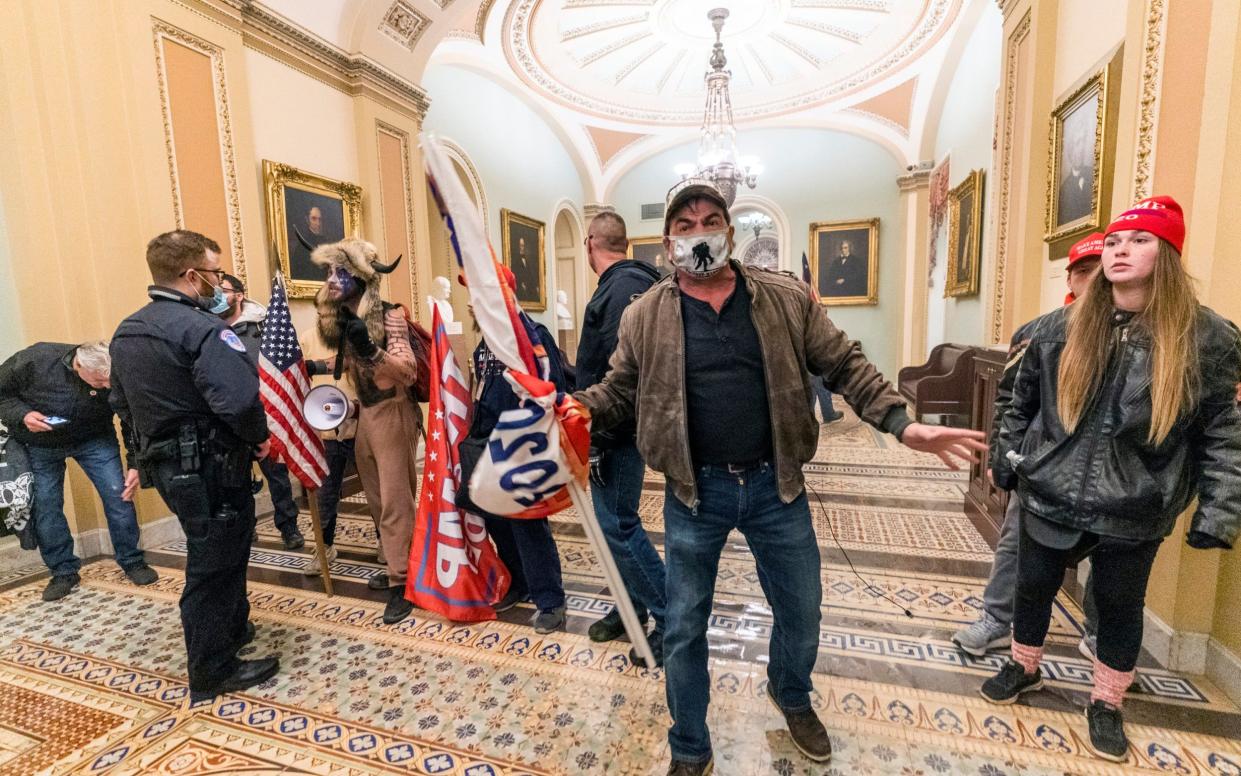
522	239
844	261
321	209
1080	159
651	250
964	236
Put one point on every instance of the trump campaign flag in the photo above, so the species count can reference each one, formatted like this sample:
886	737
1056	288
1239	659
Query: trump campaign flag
453	569
525	468
283	384
535	461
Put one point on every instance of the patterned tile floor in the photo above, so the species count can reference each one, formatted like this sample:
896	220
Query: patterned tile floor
95	683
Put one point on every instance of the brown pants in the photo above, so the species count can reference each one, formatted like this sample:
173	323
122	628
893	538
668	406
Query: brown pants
387	441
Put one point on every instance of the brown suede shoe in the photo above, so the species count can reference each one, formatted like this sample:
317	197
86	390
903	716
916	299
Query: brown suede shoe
682	768
808	733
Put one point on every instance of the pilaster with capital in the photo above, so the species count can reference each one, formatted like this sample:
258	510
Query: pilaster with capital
914	199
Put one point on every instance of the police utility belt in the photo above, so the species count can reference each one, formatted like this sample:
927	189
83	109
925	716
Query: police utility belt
199	448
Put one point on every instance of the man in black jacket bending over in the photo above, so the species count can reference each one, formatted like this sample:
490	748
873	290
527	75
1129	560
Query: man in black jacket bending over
616	466
54	399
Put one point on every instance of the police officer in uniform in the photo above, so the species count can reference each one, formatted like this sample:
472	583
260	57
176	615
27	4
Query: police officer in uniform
183	381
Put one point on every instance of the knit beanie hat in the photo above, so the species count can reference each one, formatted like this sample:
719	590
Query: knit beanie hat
1161	216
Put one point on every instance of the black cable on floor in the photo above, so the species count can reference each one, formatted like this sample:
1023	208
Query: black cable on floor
869	585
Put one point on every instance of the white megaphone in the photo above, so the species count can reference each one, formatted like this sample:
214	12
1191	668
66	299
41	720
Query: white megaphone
326	407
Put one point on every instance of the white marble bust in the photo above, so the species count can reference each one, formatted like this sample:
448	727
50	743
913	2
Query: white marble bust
441	289
564	318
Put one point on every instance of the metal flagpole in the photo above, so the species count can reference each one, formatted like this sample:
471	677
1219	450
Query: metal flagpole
590	522
316	523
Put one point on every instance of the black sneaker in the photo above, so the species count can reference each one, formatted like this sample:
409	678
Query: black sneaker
293	540
61	586
610	627
682	768
656	640
806	730
548	620
379	581
141	574
1010	682
398	607
510	599
1107	732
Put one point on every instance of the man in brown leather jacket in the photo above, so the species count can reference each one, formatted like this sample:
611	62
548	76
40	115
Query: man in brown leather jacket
715	362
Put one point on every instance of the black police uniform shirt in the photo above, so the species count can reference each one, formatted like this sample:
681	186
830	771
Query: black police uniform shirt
725	385
173	362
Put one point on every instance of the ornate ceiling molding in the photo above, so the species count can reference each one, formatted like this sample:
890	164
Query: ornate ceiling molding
404	24
581	66
291	44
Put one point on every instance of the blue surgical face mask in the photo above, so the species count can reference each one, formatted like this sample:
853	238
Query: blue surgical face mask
216	303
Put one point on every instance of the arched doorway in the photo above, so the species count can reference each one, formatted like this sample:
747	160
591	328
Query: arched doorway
443	261
571	274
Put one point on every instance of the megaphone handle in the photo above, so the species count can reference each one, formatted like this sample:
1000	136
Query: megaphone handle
338	368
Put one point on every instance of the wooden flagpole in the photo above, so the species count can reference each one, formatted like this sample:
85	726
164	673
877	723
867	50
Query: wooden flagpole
316	523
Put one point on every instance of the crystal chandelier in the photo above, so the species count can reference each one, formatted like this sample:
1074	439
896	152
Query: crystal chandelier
717	150
755	222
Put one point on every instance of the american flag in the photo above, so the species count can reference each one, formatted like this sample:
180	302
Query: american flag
283	385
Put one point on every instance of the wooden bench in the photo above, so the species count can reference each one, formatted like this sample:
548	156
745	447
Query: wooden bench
942	385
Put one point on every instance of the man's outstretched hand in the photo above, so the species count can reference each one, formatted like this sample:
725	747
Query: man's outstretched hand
950	444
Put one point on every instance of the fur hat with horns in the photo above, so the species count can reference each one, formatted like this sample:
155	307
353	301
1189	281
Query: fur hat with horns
360	259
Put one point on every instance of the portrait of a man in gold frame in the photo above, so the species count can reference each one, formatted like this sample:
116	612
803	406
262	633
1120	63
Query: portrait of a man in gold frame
320	209
844	261
522	239
965	236
1081	159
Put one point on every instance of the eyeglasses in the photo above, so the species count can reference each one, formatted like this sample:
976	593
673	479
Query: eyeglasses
219	273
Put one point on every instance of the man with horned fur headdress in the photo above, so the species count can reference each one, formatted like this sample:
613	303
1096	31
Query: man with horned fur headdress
384	358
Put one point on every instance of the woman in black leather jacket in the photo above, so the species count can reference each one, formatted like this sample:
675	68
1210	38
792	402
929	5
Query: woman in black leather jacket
1123	411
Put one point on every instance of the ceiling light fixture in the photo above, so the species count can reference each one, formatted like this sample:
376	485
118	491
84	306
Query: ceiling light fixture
718	160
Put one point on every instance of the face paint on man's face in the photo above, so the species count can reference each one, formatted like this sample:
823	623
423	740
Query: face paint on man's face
341	286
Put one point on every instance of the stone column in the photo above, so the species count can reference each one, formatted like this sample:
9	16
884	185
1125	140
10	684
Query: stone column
915	211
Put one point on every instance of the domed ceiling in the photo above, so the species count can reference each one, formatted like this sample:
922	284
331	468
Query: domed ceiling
642	61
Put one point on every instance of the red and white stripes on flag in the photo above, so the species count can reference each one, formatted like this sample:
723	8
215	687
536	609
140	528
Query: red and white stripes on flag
283	385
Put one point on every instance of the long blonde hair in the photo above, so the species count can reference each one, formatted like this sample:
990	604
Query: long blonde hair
1170	318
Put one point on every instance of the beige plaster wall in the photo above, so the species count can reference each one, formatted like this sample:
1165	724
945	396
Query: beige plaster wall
1085	33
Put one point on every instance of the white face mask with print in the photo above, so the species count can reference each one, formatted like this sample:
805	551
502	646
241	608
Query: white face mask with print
701	255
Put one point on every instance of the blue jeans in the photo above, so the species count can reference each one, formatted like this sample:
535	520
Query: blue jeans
616	506
528	551
824	398
277	476
101	460
787	556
